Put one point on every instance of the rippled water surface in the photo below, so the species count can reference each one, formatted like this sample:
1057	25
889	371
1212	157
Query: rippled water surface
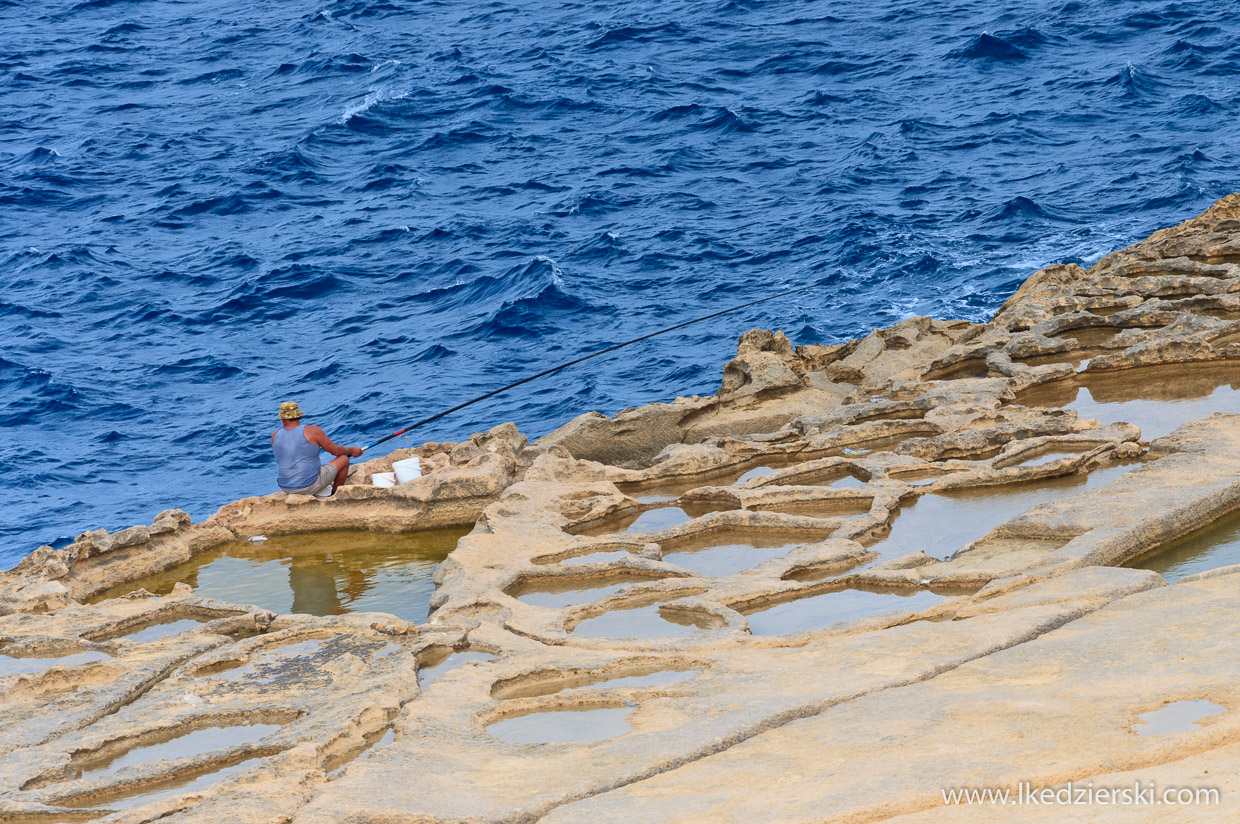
383	208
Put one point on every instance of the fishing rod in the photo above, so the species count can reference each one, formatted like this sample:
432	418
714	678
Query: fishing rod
562	366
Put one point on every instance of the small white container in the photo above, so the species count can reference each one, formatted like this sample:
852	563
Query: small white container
383	479
407	470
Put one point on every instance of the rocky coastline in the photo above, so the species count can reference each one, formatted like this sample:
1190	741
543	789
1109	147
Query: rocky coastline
855	576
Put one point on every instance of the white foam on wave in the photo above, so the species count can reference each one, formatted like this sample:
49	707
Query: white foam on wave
373	98
557	274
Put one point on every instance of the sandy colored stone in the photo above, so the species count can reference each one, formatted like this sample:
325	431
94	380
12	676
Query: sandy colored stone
1057	708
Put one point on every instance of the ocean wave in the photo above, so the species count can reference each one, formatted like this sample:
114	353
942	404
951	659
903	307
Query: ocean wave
602	248
627	35
1197	104
87	5
322	372
128	27
319	67
705	118
10	310
217	76
989	47
534	316
40	156
433	353
271	297
1135	83
31	395
588	204
1022	209
373	98
232	204
299	163
201	367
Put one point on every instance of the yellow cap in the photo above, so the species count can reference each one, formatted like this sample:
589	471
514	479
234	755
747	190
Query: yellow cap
289	411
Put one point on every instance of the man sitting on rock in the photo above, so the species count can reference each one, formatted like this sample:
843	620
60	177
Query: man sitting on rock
297	456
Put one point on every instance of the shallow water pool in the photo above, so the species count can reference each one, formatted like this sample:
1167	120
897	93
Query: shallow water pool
827	608
184	745
563	726
646	622
1158	399
442	664
324	573
651	520
939	523
25	664
1178	716
1213	546
728	552
558	593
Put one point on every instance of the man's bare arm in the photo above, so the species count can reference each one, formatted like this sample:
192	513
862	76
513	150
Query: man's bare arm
316	436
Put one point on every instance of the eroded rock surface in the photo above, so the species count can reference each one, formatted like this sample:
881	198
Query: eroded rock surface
857	576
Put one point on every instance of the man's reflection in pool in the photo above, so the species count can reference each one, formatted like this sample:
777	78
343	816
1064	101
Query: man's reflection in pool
322	586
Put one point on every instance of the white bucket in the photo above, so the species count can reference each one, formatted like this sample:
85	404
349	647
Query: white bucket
407	470
384	479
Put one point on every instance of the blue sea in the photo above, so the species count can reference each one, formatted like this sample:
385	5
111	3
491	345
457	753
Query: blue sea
380	209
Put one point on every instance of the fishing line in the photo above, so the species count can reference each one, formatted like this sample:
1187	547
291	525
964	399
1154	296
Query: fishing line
584	358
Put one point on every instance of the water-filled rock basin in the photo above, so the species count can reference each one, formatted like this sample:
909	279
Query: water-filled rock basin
171	747
563	726
324	573
445	661
27	664
643	623
1158	399
1176	717
939	523
559	592
650	520
835	607
729	551
1213	546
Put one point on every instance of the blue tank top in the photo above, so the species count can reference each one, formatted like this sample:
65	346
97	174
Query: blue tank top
296	458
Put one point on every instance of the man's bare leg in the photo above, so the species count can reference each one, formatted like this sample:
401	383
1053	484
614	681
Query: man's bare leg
342	471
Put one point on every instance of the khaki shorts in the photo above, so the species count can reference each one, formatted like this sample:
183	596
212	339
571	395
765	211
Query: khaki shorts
327	476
